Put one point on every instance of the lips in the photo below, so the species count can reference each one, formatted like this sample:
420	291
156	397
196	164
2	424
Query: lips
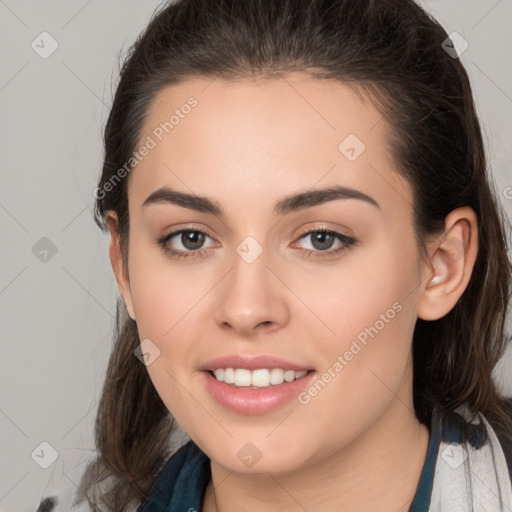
252	399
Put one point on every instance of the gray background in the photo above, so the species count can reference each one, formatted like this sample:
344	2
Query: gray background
57	316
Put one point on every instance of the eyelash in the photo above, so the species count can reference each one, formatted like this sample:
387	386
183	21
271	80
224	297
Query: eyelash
347	241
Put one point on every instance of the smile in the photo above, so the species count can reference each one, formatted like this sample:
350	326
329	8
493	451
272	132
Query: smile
260	378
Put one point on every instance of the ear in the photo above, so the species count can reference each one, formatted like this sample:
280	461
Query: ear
453	255
116	259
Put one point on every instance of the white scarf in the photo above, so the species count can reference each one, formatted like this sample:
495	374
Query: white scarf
468	477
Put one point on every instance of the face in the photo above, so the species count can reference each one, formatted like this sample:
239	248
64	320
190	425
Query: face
327	283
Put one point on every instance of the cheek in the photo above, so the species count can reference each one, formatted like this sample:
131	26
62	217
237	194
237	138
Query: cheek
165	293
166	301
364	290
372	311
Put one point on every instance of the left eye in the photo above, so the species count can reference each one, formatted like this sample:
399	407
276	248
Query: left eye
322	240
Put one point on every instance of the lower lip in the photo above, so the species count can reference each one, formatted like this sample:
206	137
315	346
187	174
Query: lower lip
254	401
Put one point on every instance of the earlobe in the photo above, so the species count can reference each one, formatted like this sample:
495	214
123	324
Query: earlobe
116	260
450	265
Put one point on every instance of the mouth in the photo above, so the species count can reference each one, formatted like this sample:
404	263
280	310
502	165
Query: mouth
275	387
260	378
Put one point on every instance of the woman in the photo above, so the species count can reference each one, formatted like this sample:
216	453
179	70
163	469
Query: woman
312	265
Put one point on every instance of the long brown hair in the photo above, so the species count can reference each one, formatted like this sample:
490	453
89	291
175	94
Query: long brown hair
393	51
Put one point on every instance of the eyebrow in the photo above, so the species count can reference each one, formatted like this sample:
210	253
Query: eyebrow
292	203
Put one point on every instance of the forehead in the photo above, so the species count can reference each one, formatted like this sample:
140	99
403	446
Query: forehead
260	135
280	106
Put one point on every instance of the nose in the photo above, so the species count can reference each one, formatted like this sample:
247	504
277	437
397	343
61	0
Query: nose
252	299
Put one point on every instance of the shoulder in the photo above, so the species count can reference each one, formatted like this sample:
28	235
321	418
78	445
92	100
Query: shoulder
505	440
473	463
478	434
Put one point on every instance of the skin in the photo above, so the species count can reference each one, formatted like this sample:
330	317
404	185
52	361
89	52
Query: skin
357	445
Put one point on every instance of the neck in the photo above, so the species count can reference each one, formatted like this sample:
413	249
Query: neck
380	470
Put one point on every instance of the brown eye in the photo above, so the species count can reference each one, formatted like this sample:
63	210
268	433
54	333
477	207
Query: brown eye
185	243
322	240
192	239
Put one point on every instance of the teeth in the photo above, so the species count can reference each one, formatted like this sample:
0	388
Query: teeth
242	377
229	376
261	378
276	376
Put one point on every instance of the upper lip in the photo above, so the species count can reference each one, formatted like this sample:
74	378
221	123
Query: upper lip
251	363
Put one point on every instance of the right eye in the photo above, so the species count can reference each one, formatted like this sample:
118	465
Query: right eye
191	241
